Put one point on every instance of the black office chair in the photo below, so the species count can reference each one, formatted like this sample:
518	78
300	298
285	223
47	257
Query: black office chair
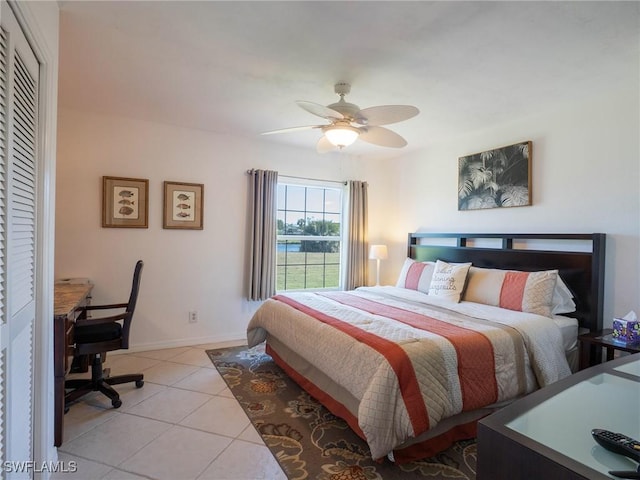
95	337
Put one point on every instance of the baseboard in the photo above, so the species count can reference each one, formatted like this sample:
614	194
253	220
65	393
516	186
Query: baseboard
217	341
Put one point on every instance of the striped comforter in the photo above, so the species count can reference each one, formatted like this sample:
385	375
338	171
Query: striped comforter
413	360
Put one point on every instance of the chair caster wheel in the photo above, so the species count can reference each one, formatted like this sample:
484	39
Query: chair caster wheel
117	403
139	383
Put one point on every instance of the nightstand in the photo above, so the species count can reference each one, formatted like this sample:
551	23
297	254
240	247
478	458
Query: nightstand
591	345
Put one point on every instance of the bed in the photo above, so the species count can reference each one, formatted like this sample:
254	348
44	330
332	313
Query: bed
469	327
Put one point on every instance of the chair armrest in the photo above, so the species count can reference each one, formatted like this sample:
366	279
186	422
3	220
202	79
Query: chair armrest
83	321
105	307
84	310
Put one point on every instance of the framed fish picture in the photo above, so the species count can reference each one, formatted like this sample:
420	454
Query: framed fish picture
183	204
125	202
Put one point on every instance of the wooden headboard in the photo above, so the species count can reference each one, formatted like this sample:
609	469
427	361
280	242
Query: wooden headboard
581	266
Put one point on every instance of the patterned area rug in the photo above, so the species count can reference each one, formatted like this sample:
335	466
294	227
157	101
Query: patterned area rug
306	439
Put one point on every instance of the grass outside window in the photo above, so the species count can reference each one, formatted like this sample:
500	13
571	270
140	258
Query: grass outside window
308	270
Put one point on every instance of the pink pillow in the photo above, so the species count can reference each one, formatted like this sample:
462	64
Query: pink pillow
416	275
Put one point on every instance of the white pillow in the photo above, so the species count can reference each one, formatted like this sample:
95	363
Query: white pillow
448	280
562	301
416	275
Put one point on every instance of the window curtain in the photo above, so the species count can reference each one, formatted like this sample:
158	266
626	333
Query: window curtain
357	271
263	190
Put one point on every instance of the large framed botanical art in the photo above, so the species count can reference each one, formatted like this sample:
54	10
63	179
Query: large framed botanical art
183	205
495	178
125	202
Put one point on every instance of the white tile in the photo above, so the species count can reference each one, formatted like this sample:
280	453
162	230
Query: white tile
139	445
116	474
226	393
243	460
168	373
219	415
164	354
172	405
205	380
208	346
82	417
129	394
250	434
117	439
179	453
125	364
75	468
219	345
194	356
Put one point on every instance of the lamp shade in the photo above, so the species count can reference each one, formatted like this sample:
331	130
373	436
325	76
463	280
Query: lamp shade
341	135
378	252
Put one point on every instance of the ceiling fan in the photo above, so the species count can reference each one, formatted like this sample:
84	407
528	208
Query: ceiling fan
347	122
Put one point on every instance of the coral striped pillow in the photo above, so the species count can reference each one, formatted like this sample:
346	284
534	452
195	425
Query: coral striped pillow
416	275
529	291
521	291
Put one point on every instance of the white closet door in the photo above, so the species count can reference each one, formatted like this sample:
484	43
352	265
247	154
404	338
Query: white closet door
17	240
4	327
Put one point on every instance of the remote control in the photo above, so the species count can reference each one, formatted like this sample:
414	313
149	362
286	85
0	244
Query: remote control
625	474
617	443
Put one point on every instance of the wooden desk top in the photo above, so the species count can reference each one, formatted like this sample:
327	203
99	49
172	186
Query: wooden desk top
67	297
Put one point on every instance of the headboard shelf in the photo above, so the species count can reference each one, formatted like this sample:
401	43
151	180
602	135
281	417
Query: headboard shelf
581	268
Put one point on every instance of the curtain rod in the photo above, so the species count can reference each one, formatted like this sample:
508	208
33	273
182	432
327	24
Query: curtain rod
251	171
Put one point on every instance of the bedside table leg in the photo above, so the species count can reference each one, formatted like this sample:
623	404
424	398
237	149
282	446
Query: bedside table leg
590	355
610	352
585	356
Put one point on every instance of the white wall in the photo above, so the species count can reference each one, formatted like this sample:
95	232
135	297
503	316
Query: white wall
586	179
184	269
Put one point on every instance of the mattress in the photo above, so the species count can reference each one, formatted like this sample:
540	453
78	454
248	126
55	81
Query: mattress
569	330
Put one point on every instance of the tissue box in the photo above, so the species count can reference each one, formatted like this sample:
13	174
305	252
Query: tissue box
626	330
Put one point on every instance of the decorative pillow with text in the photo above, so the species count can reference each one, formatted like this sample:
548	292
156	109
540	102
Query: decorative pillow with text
448	280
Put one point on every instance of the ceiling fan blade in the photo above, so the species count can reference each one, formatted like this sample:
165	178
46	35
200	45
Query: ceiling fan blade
320	110
381	136
292	129
324	145
386	114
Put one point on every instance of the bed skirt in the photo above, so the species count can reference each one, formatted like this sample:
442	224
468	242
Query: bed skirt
344	405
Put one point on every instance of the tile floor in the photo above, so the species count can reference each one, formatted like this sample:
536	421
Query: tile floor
184	423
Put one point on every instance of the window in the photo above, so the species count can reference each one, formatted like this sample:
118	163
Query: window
309	236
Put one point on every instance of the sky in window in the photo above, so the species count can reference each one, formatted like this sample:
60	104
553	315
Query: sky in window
317	199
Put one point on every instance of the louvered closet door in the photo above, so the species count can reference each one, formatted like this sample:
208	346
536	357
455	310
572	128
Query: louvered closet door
4	327
18	132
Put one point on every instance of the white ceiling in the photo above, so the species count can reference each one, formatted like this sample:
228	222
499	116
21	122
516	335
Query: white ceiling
237	67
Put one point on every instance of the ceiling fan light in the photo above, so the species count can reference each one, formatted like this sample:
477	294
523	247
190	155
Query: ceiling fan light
341	136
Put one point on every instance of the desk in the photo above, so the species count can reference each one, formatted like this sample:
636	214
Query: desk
67	300
547	434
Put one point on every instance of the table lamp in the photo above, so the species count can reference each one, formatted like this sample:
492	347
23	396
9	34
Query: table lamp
377	253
